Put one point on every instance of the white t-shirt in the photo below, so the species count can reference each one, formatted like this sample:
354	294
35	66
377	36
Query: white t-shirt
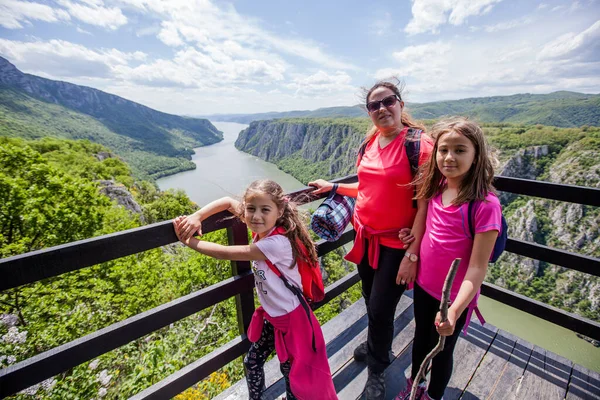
275	298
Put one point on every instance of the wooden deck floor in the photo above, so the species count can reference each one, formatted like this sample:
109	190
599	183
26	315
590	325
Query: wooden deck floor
489	364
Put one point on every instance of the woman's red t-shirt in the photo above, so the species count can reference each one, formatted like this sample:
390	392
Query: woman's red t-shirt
385	195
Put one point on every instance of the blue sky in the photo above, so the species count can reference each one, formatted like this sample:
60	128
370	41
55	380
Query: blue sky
198	57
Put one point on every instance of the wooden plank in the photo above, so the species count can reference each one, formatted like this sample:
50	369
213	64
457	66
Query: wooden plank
546	376
395	375
584	384
331	330
468	353
489	375
351	379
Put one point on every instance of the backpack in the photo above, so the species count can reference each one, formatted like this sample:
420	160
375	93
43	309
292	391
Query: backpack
500	244
412	143
310	274
333	215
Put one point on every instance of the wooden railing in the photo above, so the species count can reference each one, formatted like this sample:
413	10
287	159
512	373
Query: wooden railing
32	267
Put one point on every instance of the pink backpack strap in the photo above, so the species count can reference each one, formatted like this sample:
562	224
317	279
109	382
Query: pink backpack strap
273	268
469	314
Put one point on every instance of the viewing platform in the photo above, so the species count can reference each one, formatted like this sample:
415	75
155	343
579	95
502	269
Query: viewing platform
489	363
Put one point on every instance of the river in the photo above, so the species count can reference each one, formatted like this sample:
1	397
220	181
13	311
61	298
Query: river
222	170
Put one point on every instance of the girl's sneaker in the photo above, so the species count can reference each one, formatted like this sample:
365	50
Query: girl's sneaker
405	393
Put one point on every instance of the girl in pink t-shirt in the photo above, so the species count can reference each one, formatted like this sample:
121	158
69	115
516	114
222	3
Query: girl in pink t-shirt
284	322
460	171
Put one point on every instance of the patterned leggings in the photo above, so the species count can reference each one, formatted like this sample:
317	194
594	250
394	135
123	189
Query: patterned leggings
255	361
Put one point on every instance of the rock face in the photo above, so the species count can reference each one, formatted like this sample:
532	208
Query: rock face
332	144
524	164
121	195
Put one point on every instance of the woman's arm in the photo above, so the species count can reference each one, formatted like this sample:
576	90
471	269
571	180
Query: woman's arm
345	189
193	223
408	269
478	264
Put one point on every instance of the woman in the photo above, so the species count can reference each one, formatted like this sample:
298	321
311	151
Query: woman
384	206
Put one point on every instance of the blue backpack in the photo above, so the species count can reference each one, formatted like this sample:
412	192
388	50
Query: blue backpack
500	244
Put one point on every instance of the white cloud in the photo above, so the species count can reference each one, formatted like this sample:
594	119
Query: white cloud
194	68
169	34
321	83
202	23
381	24
148	30
61	59
83	31
13	12
94	13
428	15
584	46
426	61
508	25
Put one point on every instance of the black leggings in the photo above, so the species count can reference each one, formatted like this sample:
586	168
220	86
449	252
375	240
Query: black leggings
255	361
426	338
381	297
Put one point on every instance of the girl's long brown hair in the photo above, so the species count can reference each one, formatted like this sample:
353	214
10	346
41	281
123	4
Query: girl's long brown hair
295	230
478	182
397	88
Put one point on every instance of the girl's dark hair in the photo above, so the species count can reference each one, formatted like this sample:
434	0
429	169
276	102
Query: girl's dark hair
478	182
295	230
396	86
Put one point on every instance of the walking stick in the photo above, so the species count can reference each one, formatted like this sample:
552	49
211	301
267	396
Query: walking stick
444	317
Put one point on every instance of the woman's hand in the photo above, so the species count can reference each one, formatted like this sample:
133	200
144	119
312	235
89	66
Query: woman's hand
407	272
321	185
188	226
446	328
406	237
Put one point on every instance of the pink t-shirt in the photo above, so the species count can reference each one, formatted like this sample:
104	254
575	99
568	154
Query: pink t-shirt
447	237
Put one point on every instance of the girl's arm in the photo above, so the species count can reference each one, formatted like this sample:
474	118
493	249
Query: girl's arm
345	189
408	269
480	256
193	223
235	253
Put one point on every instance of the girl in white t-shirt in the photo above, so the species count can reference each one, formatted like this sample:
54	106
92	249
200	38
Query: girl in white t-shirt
280	238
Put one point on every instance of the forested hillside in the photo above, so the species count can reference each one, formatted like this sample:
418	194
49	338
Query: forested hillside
327	148
562	109
56	191
155	143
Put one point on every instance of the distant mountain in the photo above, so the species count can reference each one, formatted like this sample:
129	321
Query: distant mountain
562	109
328	112
153	142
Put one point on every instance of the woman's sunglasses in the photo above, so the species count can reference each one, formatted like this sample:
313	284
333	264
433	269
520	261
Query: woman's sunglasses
387	102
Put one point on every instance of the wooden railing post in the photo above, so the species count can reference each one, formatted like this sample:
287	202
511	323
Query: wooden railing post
244	302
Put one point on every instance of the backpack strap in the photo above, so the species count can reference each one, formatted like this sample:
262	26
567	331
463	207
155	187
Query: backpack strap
412	142
470	219
300	296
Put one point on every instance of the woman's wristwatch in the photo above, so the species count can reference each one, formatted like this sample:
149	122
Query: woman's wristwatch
411	256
